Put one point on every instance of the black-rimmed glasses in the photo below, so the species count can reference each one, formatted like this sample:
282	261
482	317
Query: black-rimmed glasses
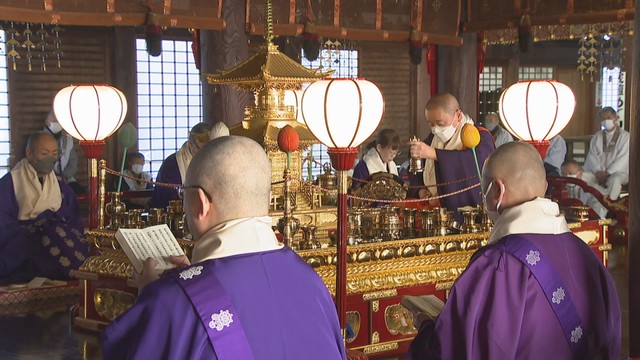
183	187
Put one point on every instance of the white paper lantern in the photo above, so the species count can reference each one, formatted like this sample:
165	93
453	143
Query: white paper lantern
536	110
90	112
342	113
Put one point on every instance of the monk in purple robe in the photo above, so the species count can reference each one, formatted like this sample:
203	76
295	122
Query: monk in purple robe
42	232
536	291
245	295
174	167
449	166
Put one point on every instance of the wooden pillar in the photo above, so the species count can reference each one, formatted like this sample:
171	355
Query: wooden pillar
123	75
458	73
634	198
223	50
420	94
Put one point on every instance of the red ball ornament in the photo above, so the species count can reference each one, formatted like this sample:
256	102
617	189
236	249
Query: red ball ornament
288	139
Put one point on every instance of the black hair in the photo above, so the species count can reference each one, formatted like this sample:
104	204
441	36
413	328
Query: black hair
610	109
386	138
132	156
571	162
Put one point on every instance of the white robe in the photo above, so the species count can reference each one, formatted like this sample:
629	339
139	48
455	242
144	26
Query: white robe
616	161
556	152
32	196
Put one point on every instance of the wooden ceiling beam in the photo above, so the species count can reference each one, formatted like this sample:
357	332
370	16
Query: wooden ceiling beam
357	34
9	13
570	19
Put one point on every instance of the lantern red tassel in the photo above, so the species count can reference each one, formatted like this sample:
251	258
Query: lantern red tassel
524	33
288	139
195	47
310	41
153	34
415	46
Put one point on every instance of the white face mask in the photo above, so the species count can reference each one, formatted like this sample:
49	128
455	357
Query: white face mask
608	124
493	214
444	133
137	169
55	127
490	127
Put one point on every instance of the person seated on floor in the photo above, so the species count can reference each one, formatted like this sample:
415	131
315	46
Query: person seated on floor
174	167
556	152
536	291
500	135
67	163
245	296
573	169
135	169
42	232
379	157
608	156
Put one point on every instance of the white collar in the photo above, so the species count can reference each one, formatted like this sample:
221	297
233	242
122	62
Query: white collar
538	216
375	165
236	237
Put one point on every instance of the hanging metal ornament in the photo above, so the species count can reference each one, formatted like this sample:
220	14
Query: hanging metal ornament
57	43
12	42
28	44
42	44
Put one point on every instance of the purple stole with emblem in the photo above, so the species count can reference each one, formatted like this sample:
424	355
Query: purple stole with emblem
554	289
218	315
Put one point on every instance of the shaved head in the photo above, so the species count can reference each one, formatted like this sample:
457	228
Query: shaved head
236	173
519	167
446	102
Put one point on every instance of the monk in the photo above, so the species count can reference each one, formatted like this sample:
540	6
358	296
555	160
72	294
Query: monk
536	291
174	167
42	232
245	295
448	163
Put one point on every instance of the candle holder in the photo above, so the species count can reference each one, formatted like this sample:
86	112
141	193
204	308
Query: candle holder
115	209
415	164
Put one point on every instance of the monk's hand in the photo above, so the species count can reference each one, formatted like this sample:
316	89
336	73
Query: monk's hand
602	177
180	260
149	273
419	149
424	193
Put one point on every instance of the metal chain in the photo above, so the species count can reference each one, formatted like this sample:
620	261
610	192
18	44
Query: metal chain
317	187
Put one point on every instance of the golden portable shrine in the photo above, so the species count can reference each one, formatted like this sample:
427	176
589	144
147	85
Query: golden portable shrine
394	251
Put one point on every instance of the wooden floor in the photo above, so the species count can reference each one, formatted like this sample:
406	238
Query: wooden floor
48	335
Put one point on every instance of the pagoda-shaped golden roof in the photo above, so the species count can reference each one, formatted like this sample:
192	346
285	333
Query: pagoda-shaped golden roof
268	68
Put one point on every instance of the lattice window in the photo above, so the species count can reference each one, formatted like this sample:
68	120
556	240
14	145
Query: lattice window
5	133
491	78
535	73
610	87
345	65
169	100
490	84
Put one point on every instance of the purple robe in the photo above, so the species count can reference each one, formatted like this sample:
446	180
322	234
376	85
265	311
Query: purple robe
455	165
168	173
498	310
49	246
284	307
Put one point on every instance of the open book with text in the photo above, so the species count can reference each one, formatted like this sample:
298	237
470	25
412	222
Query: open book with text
152	242
429	305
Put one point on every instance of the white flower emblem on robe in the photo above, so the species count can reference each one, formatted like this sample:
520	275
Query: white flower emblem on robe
221	320
533	257
558	296
576	334
191	272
